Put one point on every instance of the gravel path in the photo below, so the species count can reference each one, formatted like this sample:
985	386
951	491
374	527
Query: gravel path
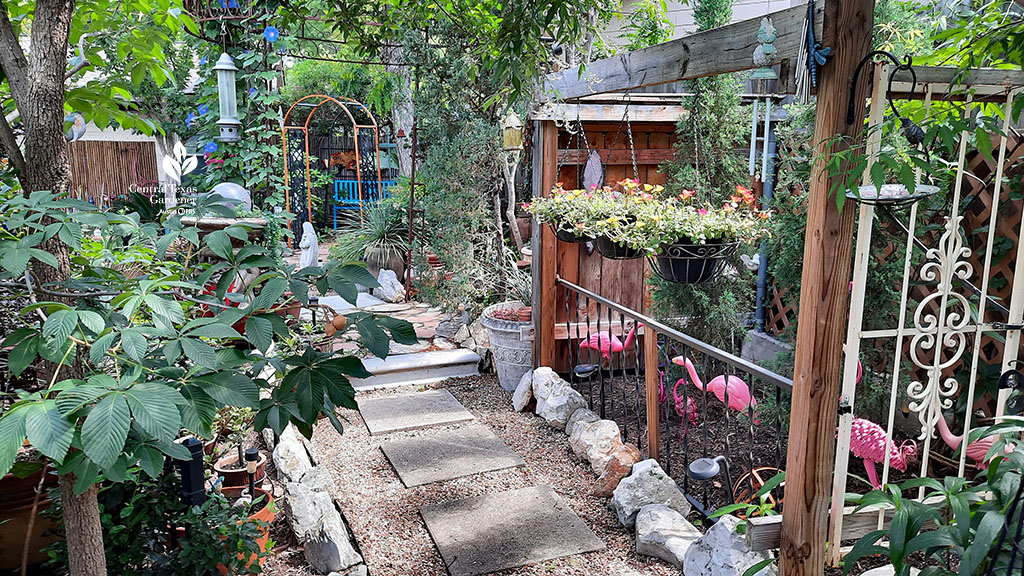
384	515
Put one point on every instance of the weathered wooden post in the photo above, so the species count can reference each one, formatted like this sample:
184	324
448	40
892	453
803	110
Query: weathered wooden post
824	297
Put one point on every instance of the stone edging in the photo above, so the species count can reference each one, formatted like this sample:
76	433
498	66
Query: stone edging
310	507
642	495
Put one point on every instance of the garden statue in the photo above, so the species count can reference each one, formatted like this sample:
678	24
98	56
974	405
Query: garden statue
308	245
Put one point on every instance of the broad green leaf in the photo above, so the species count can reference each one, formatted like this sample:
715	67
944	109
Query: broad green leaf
199	352
174	450
269	294
60	325
100	347
74	399
164	309
198	411
214	330
91	320
402	331
12	435
155	407
134	343
151	460
260	332
230	389
220	244
374	339
106	429
48	430
23	354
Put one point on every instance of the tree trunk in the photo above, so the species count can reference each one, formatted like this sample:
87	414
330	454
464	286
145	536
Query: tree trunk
84	531
36	78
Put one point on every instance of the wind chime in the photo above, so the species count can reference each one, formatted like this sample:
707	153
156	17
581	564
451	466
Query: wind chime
764	57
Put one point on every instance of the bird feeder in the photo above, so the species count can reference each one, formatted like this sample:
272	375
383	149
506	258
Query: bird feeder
228	123
512	133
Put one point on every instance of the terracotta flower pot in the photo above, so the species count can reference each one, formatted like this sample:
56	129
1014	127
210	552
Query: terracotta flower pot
265	515
238	477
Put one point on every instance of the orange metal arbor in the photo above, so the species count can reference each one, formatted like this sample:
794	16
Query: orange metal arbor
295	138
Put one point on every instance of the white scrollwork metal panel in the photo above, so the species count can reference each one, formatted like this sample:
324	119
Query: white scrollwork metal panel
939	322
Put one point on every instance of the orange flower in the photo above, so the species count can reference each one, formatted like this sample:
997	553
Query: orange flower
765	214
646	196
735	199
687	194
728	207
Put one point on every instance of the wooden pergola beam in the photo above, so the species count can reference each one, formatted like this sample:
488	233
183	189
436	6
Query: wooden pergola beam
719	51
609	112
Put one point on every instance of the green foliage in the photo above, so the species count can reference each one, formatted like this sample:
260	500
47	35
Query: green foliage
762	506
965	523
381	232
712	312
164	353
503	42
648	24
461	176
371	85
135	518
903	28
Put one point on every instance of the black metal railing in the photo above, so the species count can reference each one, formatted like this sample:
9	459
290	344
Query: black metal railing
721	420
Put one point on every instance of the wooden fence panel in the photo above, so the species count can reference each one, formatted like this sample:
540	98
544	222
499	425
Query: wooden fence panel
103	171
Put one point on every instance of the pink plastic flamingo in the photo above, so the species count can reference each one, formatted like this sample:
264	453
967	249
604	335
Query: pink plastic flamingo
605	342
687	411
868	440
976	450
739	393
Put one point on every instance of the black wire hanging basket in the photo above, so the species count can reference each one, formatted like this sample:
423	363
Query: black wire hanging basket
566	236
686	262
615	250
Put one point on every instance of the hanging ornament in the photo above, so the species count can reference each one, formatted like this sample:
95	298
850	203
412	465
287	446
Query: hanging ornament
764	58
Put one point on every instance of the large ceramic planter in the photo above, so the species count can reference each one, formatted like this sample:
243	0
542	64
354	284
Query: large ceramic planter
513	356
16	497
615	251
238	477
687	263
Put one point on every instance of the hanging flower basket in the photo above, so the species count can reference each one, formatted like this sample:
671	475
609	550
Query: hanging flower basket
615	250
686	262
567	236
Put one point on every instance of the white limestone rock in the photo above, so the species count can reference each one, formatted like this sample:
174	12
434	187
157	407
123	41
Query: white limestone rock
723	551
391	288
664	533
647	484
560	404
291	459
319	528
595	442
581	416
544	379
524	392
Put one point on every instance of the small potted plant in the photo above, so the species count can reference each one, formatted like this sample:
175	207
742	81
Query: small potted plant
234	425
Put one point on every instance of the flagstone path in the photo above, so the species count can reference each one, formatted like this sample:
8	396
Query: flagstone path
498	492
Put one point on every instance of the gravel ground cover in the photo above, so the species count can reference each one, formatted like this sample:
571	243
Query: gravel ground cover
384	515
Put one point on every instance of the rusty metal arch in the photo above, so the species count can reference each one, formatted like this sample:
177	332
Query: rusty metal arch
313	102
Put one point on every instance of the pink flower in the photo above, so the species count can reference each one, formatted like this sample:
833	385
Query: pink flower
702	211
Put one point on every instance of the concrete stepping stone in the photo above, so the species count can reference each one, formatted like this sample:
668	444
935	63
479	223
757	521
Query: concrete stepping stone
444	455
500	531
411	411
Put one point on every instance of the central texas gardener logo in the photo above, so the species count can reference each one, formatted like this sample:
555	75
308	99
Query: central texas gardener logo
177	165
